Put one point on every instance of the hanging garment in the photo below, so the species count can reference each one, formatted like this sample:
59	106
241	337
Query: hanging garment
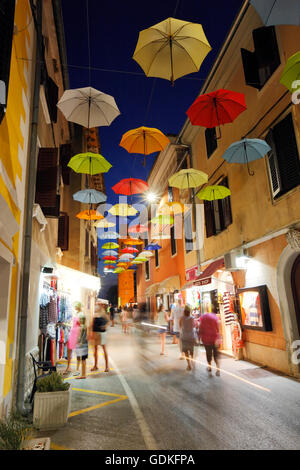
53	310
43	318
228	308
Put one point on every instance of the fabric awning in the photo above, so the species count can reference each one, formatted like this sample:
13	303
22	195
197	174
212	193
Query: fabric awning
152	290
170	285
211	269
187	285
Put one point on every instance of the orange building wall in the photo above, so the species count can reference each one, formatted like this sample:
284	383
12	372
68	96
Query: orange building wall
126	287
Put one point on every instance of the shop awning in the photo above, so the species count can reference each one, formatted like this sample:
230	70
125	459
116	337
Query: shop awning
170	285
152	290
210	270
187	285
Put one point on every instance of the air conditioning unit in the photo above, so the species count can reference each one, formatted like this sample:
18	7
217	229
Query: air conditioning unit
235	260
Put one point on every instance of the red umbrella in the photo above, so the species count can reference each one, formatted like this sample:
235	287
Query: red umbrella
110	258
216	108
108	266
138	229
130	250
130	186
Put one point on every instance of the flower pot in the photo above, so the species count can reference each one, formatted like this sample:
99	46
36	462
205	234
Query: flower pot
37	444
51	409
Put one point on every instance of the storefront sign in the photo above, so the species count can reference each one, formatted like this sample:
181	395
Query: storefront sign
203	282
191	273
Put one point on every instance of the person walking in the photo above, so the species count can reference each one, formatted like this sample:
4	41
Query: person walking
163	321
99	334
73	336
124	319
187	335
112	314
176	313
82	347
210	335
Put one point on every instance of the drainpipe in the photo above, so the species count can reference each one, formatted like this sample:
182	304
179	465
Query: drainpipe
30	197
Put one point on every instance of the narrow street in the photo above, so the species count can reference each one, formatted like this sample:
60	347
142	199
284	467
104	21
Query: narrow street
149	401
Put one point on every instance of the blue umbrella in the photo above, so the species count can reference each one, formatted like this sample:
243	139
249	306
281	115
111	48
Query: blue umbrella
89	196
274	12
152	247
110	253
245	151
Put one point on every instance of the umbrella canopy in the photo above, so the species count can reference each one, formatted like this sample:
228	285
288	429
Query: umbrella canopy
130	186
122	265
173	208
126	256
136	262
144	140
138	229
188	178
216	108
88	107
291	72
245	151
89	163
130	250
110	253
110	246
110	258
110	267
171	49
275	12
140	258
108	235
146	254
132	241
104	223
119	270
89	196
122	210
89	215
211	193
163	220
152	246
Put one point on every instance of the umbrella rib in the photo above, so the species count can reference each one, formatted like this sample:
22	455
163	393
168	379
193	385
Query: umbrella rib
95	104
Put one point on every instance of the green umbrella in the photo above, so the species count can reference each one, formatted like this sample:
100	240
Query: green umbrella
211	193
143	260
89	163
291	72
118	270
163	219
110	246
188	178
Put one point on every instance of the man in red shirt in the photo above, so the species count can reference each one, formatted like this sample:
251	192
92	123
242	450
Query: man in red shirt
210	335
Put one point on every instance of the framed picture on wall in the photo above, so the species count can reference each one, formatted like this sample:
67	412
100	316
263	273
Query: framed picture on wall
255	310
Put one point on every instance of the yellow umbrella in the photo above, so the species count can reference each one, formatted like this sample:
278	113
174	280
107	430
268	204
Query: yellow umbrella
214	192
163	220
119	270
89	163
104	224
122	210
188	178
110	246
145	140
173	208
171	49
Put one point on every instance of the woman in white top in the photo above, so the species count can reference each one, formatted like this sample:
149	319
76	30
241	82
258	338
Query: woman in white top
162	320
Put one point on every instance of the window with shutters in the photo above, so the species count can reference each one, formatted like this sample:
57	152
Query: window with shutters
87	243
65	153
51	89
147	270
7	14
283	159
211	141
218	215
156	258
63	231
170	194
188	233
173	241
182	159
260	65
47	181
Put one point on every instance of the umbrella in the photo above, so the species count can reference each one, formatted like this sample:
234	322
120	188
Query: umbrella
245	151
122	264
110	253
188	178
108	235
122	210
130	186
89	163
174	208
104	223
109	267
138	229
291	72
171	49
163	220
144	140
110	258
88	107
126	256
132	241
136	262
146	254
211	193
89	215
89	196
216	108
110	246
129	250
153	247
119	270
140	258
275	12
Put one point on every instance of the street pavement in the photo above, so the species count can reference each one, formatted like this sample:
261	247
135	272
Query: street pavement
151	402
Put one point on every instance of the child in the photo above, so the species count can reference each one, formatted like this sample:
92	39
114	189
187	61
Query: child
82	347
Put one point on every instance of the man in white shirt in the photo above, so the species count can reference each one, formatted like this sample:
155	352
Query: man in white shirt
176	313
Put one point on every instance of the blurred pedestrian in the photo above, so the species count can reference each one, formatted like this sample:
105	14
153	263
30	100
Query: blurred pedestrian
99	334
187	335
162	320
73	335
82	347
124	319
210	336
112	314
176	313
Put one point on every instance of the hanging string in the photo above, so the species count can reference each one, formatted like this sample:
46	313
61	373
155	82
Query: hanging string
176	8
88	35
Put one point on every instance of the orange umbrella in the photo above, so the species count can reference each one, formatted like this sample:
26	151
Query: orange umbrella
132	241
144	140
89	215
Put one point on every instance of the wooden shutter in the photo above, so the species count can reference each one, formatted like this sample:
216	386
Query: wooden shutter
226	206
250	69
170	194
188	233
173	241
156	258
65	154
266	51
46	180
7	14
273	166
209	219
63	231
211	141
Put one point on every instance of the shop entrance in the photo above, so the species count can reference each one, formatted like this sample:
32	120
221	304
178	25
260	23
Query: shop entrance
4	294
296	289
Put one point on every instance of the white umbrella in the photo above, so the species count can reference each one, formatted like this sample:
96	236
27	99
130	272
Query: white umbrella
107	235
146	254
126	256
88	107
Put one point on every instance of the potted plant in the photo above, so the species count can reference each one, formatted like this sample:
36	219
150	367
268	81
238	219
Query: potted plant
14	430
51	402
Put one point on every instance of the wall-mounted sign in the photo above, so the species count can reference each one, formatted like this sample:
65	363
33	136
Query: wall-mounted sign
191	273
203	282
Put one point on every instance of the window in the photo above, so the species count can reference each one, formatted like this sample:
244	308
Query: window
283	159
182	161
147	270
211	141
170	194
46	194
65	153
63	231
156	259
260	65
87	243
7	13
218	214
188	233
173	241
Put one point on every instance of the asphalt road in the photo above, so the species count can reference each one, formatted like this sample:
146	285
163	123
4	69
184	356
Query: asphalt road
149	401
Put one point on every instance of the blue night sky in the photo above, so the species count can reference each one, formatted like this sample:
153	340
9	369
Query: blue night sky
113	30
